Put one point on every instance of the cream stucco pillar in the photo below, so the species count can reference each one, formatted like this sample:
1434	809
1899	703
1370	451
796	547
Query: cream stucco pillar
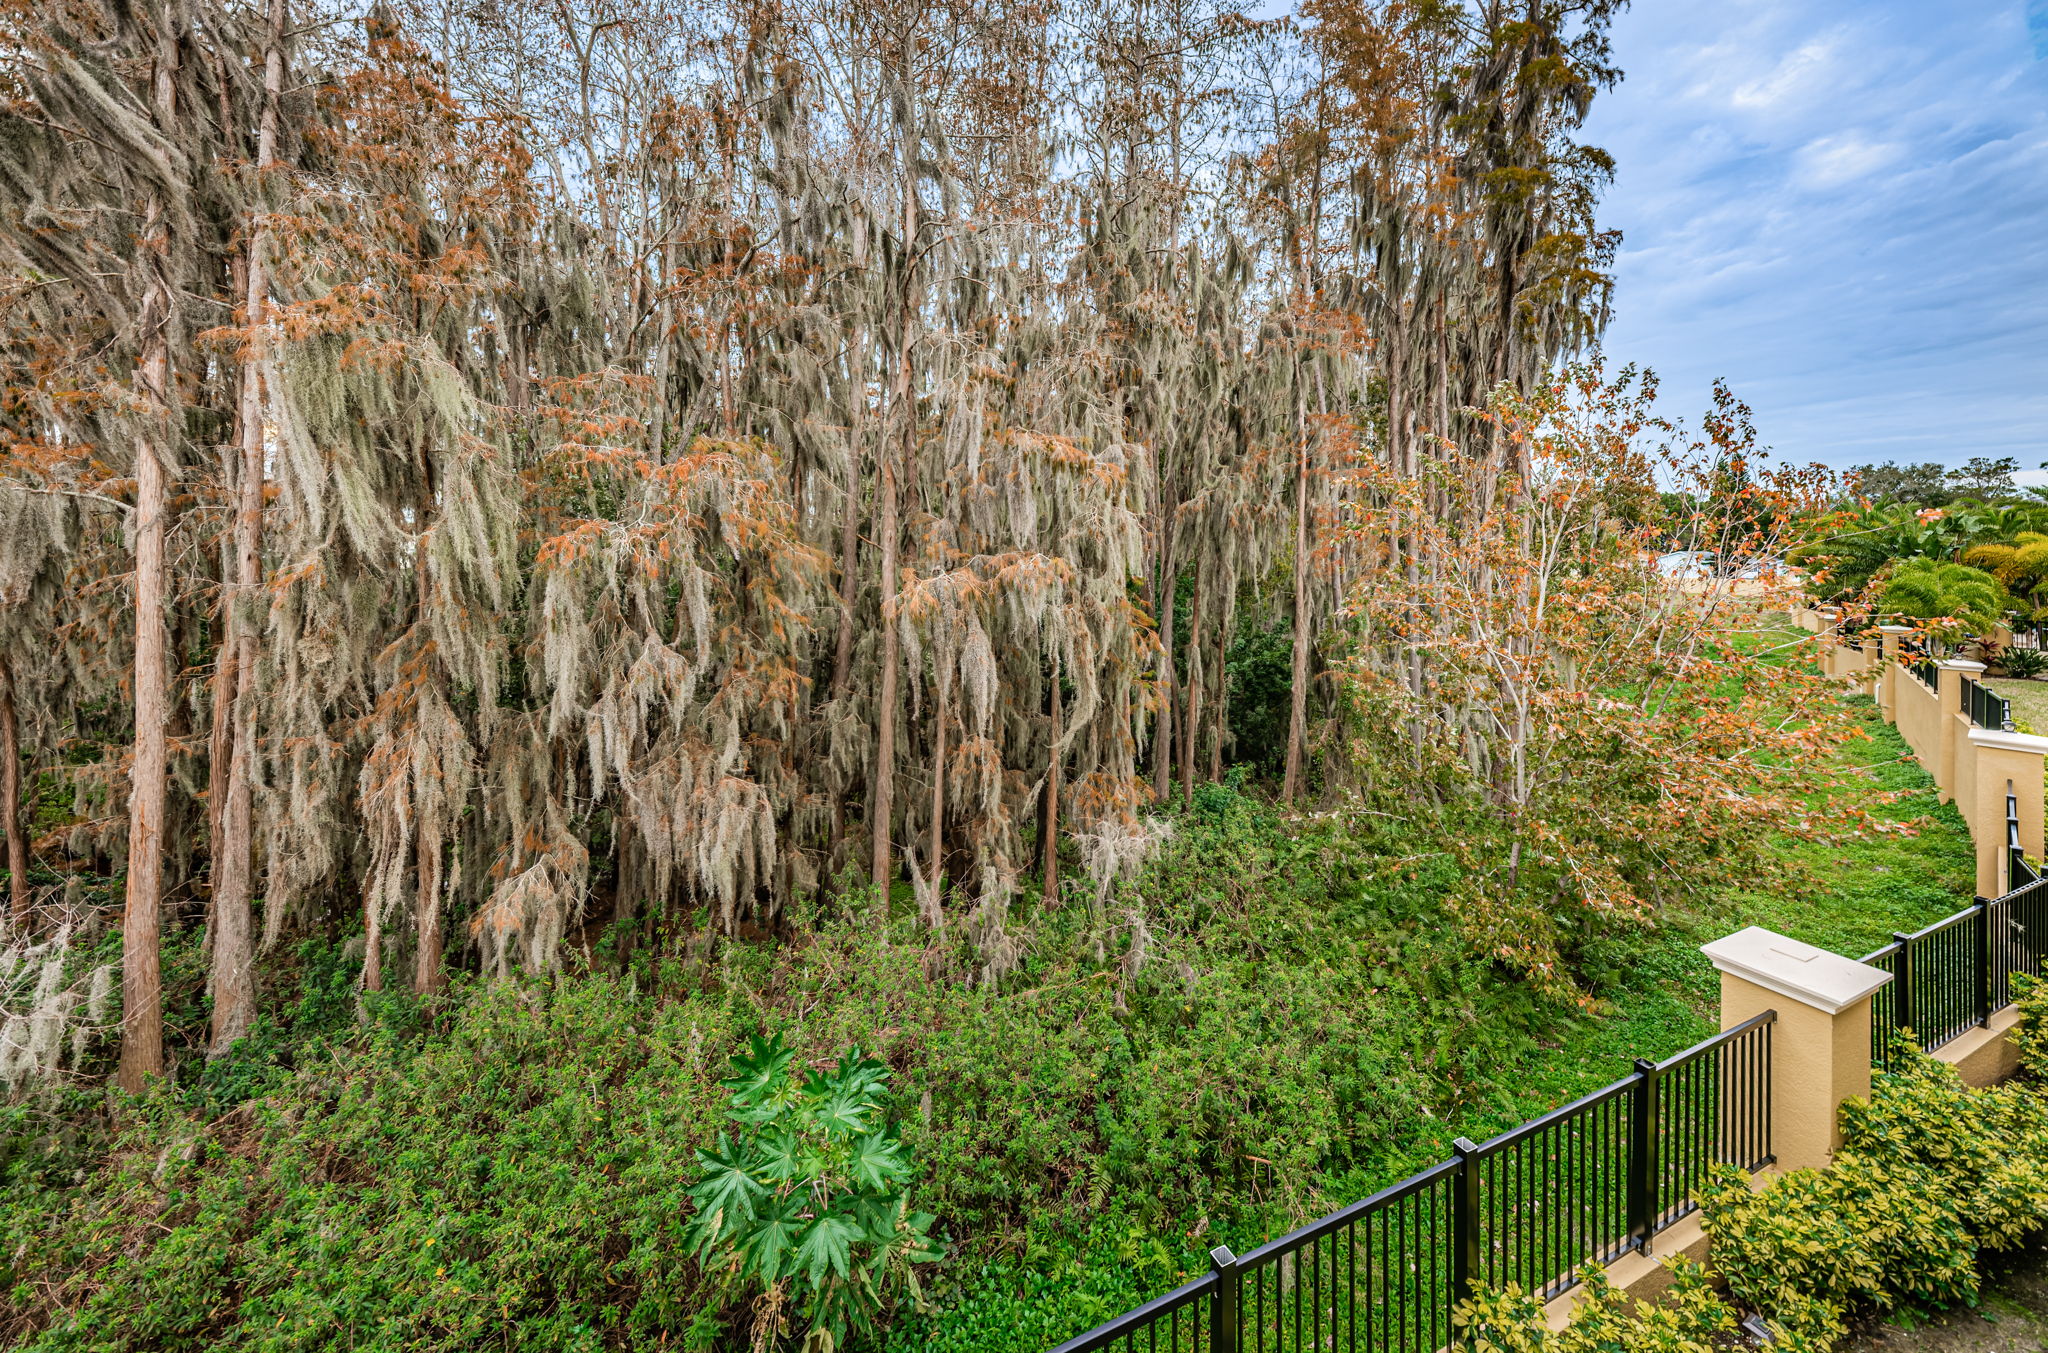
1820	1046
1886	686
2003	761
1953	671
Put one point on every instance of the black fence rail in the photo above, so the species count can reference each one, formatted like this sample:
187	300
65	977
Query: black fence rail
1956	974
2018	873
1927	672
1986	707
1592	1180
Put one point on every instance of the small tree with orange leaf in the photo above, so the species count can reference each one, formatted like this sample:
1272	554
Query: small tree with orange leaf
1600	737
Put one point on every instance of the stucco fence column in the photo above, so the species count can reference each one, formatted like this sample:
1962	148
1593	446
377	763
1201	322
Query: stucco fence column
1952	721
1916	709
1820	1046
1888	675
2002	762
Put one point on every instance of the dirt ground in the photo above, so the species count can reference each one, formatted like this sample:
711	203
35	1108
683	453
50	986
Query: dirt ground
2012	1317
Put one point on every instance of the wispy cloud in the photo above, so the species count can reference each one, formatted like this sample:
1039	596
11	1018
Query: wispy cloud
1842	207
1831	161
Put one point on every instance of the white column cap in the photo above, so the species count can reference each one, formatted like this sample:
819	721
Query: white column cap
2010	742
1894	629
1960	665
1827	982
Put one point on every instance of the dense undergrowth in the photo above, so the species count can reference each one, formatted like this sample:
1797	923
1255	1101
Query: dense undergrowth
1273	1019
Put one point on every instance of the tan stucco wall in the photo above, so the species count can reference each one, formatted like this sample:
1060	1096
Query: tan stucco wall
1985	1056
1917	711
1990	771
1817	1061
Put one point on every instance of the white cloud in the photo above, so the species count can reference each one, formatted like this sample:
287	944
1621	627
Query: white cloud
1836	204
1831	161
1801	73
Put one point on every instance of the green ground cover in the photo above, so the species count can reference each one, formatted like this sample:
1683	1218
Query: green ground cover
1274	1019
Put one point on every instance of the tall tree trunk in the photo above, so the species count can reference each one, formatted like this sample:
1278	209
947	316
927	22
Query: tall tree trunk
882	807
1219	721
1169	591
220	741
426	977
233	974
929	896
849	593
1192	723
1297	717
1049	814
142	1033
881	804
18	901
373	949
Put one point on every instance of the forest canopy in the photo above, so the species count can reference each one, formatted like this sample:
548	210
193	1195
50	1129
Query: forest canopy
473	474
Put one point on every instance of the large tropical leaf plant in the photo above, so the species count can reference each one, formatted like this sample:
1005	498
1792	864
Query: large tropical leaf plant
807	1209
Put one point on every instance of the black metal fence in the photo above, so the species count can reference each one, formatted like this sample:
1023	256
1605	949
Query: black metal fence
1956	974
2018	873
1587	1182
1927	671
1986	708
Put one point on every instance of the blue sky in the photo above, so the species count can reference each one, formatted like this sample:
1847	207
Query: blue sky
1841	206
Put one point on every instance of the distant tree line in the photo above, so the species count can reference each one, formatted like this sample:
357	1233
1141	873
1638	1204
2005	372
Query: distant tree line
1930	484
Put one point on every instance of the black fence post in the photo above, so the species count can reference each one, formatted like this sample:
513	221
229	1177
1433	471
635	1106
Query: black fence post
1642	1157
1224	1315
1464	1221
1983	961
1902	981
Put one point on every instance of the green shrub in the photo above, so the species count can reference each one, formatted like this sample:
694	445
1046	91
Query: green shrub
1930	1172
518	1182
2030	1035
813	1196
1985	1150
2023	662
1689	1318
1863	1231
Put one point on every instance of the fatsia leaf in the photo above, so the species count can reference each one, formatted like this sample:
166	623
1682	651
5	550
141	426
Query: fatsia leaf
863	1075
726	1193
768	1247
878	1215
827	1244
760	1072
776	1158
919	1247
879	1160
843	1112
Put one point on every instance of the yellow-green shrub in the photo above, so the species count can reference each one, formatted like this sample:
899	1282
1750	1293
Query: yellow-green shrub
1986	1149
1865	1231
2030	1035
1690	1318
1929	1173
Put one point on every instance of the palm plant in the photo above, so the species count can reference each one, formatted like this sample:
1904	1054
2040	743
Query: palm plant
1958	599
2020	564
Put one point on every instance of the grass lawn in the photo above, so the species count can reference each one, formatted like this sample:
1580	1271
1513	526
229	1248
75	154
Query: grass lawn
2029	701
